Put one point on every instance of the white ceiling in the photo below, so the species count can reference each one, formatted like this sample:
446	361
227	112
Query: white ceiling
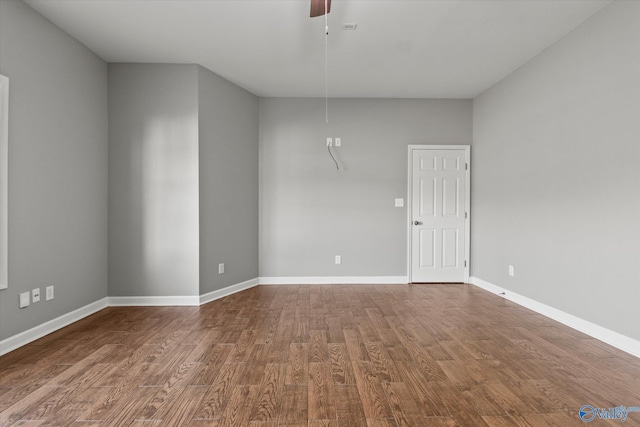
401	48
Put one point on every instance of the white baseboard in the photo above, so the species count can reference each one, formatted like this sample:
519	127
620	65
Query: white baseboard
181	300
608	336
615	339
335	280
229	290
154	301
23	338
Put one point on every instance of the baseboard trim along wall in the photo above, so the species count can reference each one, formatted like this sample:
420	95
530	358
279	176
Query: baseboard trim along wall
608	336
154	301
615	339
335	280
23	338
229	290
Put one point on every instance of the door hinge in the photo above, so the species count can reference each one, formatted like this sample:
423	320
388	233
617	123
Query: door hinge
466	166
465	263
465	215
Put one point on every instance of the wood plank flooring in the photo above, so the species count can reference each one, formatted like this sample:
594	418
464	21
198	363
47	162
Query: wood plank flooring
329	355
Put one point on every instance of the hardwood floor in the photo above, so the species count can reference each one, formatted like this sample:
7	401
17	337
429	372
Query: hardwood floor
361	355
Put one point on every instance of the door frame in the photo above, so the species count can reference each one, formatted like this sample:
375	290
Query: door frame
467	221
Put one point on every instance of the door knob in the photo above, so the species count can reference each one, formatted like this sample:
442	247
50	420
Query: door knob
417	223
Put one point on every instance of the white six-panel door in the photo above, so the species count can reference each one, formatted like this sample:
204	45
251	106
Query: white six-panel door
438	213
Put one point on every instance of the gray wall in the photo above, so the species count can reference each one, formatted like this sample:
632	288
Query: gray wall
228	125
57	169
556	176
153	180
310	212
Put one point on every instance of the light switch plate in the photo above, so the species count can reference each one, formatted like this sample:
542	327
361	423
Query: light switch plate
399	203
